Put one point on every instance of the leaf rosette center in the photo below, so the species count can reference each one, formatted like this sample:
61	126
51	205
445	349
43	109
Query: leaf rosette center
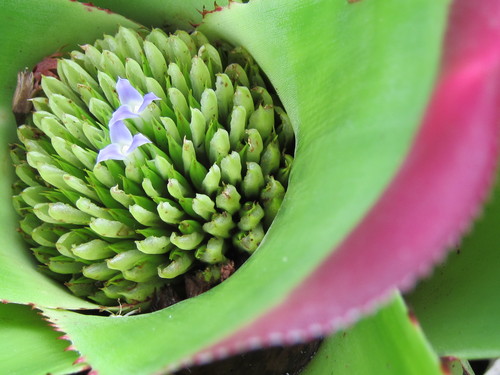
152	166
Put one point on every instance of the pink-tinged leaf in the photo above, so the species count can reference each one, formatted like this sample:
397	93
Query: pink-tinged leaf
428	205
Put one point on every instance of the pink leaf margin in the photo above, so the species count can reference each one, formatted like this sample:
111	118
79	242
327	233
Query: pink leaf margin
424	211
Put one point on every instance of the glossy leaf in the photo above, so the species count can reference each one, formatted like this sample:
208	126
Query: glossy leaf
423	209
29	346
338	174
168	14
458	306
388	343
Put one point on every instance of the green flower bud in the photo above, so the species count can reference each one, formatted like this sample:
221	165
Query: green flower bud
126	260
262	119
199	76
69	240
253	182
74	75
33	195
40	104
243	97
187	241
65	150
237	75
129	43
143	272
219	146
142	291
209	105
284	173
156	61
154	245
285	130
160	40
100	109
230	167
181	262
134	73
272	197
93	250
178	101
177	78
35	159
255	145
212	252
89	207
112	65
52	127
261	97
171	129
64	265
51	86
27	175
45	235
176	189
211	57
170	213
199	39
224	91
111	228
198	127
41	210
203	206
211	181
250	216
121	197
271	157
220	226
144	216
229	199
95	136
249	241
44	254
188	154
85	157
64	213
180	52
237	127
79	186
98	271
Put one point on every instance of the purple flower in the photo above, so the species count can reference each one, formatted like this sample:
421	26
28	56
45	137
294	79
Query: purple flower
131	100
122	143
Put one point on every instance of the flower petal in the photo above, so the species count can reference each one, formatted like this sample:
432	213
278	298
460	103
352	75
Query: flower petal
110	152
138	140
120	134
122	113
148	99
127	94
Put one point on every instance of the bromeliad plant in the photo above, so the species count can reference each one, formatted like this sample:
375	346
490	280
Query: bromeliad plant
395	150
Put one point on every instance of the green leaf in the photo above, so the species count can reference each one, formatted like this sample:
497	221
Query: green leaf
387	343
374	86
458	307
29	31
29	346
169	14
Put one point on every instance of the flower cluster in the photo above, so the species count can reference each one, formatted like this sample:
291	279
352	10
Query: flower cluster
117	222
132	105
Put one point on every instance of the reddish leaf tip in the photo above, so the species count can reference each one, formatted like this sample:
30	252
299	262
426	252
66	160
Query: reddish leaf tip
79	360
